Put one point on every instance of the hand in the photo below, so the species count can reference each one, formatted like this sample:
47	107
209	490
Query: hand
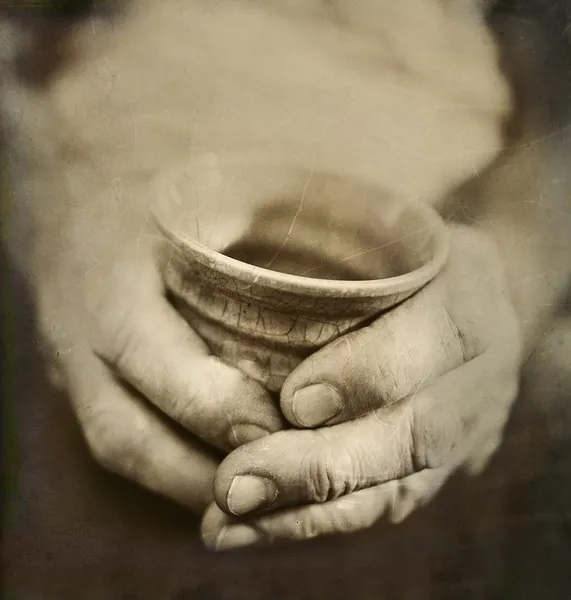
140	380
123	351
398	407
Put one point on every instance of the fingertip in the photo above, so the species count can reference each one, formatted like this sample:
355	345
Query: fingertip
223	480
244	494
243	479
238	536
213	523
253	414
219	532
316	405
313	405
333	385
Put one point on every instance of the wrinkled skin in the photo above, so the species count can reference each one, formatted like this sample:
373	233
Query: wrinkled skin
417	394
423	390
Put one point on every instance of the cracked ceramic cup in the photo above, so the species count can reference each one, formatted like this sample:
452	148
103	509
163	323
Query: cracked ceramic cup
269	261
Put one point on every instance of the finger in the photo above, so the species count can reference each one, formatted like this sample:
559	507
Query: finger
129	438
395	500
153	349
480	449
375	366
481	455
425	431
411	345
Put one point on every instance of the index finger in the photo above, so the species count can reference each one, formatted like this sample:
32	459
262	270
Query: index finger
153	349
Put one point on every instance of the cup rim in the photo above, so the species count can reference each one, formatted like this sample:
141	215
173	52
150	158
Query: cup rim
313	286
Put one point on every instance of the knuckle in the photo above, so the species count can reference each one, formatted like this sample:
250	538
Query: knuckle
117	341
435	434
406	354
187	408
320	479
329	474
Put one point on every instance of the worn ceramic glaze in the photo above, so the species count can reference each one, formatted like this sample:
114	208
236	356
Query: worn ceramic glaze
269	261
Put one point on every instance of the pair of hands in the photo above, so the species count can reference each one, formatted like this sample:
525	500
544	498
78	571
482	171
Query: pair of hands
370	425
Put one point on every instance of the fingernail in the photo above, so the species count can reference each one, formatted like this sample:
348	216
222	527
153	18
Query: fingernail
248	493
316	404
243	433
237	536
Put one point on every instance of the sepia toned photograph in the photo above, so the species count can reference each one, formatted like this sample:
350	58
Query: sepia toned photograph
286	299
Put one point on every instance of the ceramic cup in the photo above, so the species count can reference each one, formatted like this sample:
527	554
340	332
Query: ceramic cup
269	261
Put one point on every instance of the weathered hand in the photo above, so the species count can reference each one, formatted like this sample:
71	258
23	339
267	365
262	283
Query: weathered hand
168	81
138	376
400	404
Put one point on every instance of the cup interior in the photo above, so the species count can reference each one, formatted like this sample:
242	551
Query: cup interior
297	221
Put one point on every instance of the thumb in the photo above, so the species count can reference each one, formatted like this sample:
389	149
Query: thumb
375	366
395	499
